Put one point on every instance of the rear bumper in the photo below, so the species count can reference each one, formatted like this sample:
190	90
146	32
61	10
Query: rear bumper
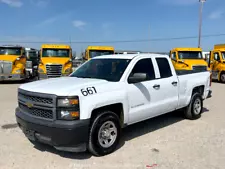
12	77
63	135
209	95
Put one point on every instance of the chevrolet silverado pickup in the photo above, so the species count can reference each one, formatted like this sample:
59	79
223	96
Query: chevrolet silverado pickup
88	109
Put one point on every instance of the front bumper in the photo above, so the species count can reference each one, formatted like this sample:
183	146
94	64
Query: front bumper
12	77
63	135
45	76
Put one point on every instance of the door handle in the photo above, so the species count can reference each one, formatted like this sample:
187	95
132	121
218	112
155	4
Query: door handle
156	86
174	83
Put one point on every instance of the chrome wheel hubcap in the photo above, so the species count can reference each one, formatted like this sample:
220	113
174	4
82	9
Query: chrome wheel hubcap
107	134
197	106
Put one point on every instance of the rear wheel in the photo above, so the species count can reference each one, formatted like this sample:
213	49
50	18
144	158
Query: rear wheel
104	134
194	110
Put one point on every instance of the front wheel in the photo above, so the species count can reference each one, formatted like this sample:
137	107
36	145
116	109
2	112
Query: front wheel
222	77
104	134
194	110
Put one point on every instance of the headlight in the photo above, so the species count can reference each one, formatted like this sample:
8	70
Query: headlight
68	70
68	108
18	71
68	102
68	115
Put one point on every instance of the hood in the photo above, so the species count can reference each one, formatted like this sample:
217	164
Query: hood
11	58
193	62
54	60
63	86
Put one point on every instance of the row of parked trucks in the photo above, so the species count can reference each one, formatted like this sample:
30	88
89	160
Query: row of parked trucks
56	60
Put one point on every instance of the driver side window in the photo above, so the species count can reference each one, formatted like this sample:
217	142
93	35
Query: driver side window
216	56
144	66
173	56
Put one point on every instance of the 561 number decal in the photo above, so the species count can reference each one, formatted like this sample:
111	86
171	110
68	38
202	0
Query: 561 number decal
88	91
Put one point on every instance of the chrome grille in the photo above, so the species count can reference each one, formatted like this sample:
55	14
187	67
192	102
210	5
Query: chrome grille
47	114
5	67
199	68
29	64
35	99
54	70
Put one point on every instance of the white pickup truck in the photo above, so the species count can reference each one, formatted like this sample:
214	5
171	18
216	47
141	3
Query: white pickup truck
88	109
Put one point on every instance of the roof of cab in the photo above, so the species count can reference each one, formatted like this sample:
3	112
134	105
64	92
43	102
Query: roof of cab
187	49
127	56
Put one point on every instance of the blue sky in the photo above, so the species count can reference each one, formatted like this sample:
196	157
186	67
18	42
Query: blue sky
111	20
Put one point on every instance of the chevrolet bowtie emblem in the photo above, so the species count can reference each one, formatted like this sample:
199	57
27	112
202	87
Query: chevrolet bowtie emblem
29	105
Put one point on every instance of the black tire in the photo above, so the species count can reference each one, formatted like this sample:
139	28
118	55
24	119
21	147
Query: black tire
222	77
189	111
94	145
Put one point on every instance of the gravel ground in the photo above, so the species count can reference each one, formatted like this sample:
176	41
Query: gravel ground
165	142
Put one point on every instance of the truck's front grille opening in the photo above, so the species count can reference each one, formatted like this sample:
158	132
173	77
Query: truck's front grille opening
36	99
47	114
5	67
54	70
199	68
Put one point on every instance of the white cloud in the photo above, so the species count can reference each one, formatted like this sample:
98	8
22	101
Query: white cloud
79	24
216	14
40	3
12	3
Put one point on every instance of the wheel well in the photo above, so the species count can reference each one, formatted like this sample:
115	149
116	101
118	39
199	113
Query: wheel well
116	108
198	89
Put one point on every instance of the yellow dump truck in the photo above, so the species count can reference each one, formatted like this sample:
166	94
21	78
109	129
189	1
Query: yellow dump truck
55	61
12	62
188	60
93	51
217	62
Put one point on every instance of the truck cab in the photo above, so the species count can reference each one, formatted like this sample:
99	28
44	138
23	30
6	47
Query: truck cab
32	62
217	62
12	62
55	61
188	60
93	51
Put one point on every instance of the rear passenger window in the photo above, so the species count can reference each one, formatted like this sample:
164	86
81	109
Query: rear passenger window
164	67
145	66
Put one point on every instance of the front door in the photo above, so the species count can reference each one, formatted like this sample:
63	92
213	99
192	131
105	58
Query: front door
144	97
214	65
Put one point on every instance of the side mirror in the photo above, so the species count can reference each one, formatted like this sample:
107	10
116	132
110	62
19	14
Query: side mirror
137	77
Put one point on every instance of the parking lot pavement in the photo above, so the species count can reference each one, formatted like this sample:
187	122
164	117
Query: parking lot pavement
165	142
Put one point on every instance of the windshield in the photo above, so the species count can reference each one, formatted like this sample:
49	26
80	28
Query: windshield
106	69
32	54
94	53
223	55
63	53
190	55
10	51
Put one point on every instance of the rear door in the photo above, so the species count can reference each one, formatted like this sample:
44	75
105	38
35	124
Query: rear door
168	82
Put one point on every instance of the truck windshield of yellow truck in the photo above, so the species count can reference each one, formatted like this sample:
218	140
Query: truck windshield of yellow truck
10	51
190	55
63	53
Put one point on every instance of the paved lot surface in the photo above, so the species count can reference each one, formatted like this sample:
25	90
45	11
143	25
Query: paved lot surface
165	142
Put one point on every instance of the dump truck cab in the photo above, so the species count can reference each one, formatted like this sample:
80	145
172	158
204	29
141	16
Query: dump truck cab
188	60
12	62
217	62
55	61
93	51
